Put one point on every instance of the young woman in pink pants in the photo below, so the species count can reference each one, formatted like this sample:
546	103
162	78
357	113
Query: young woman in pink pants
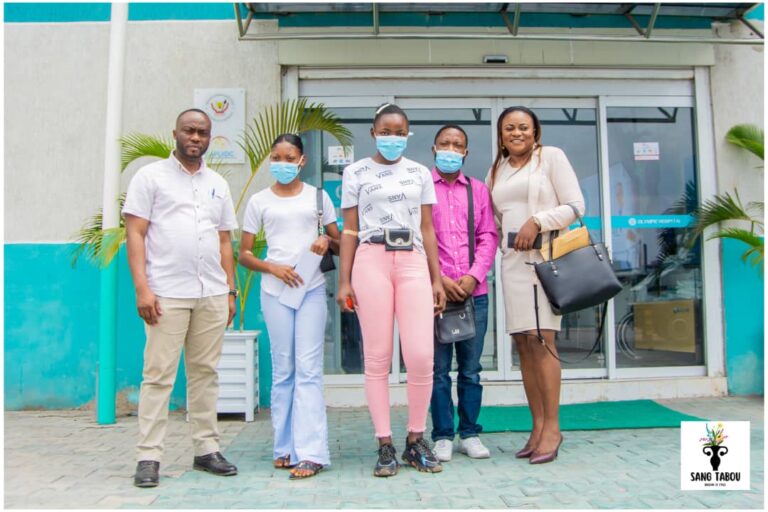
389	270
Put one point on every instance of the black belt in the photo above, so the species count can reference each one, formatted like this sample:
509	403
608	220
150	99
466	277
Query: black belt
376	239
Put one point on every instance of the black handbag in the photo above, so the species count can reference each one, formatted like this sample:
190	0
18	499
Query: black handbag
326	264
457	321
580	279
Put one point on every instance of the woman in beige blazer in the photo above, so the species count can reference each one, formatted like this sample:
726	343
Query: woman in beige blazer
531	186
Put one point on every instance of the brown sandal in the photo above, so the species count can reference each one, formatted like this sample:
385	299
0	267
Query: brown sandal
305	465
283	462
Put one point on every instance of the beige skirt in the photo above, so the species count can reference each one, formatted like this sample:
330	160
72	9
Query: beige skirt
517	282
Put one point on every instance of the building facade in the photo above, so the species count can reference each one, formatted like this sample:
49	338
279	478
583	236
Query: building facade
643	123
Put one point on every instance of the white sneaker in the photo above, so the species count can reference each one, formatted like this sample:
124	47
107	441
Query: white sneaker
472	447
443	450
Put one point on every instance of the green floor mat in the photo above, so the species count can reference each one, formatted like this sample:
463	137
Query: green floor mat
592	416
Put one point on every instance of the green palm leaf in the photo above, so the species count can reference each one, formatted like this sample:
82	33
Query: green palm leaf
137	145
749	137
96	244
753	255
720	208
293	116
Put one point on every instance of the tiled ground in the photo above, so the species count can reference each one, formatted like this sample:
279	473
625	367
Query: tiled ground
63	459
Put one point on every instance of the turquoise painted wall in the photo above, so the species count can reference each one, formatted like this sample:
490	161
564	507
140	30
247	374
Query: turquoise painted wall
743	300
51	331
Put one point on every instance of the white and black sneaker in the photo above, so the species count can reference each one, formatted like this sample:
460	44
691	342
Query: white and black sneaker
387	464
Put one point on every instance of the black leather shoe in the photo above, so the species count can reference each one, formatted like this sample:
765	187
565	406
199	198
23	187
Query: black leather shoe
215	463
147	474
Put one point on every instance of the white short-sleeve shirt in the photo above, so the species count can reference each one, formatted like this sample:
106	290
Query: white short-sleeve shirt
388	196
290	228
185	213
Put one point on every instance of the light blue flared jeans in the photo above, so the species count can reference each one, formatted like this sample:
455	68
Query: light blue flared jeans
298	408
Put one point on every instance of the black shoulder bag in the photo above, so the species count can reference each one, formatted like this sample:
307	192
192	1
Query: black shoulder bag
457	321
580	279
326	264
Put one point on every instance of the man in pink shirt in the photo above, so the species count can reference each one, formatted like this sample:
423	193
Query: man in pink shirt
462	278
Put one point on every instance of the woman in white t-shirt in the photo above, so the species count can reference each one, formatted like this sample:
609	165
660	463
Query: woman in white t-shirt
287	212
389	269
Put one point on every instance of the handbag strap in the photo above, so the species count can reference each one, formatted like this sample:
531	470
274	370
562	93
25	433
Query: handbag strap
471	222
540	337
320	227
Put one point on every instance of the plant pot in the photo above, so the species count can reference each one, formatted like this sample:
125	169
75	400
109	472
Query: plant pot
238	374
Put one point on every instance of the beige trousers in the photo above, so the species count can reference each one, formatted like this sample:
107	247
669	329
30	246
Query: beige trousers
197	326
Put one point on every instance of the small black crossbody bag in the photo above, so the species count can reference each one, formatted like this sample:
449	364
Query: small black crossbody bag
326	264
457	322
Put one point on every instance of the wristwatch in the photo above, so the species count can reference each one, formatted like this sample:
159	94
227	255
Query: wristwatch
234	293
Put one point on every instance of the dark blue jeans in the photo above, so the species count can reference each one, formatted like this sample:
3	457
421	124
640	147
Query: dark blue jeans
468	385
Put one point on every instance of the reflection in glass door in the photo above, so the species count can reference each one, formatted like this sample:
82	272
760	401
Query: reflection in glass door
654	189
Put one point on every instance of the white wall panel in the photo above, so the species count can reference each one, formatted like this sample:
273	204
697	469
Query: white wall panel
55	100
737	83
55	80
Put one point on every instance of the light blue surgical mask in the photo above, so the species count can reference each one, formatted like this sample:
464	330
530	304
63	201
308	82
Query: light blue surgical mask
448	161
391	147
284	172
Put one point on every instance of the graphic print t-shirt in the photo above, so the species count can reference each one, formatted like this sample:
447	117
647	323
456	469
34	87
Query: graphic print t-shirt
388	196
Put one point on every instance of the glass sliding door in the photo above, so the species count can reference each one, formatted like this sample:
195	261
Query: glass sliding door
426	117
636	161
325	165
653	190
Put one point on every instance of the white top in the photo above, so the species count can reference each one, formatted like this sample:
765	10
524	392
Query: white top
290	227
387	196
185	213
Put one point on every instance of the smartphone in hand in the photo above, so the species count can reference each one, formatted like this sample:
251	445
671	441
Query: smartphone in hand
513	234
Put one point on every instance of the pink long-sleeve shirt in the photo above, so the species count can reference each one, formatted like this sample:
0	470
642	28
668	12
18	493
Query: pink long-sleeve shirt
450	218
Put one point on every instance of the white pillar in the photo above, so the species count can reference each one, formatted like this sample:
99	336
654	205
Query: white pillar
107	367
114	115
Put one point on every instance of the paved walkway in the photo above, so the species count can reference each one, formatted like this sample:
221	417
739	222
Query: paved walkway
63	459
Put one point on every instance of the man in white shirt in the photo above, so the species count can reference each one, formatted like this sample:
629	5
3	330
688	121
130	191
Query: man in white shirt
178	217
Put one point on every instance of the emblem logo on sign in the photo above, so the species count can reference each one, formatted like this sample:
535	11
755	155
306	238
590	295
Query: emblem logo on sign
219	107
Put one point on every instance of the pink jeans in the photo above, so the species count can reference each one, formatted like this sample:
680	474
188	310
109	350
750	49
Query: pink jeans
389	285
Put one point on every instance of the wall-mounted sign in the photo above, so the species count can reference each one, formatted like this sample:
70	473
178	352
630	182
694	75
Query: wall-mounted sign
337	155
646	150
226	108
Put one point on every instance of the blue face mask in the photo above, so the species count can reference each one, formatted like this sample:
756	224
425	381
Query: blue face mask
391	147
448	161
284	172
